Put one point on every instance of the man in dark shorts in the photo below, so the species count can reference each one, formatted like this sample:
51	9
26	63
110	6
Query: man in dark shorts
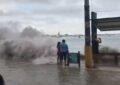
64	51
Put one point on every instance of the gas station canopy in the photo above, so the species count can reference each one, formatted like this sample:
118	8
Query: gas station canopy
108	24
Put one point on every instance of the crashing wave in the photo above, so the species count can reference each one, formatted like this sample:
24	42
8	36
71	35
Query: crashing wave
26	45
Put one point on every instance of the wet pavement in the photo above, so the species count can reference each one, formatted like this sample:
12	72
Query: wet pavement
28	74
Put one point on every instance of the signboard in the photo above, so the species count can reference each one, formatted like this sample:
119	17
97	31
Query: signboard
108	24
73	58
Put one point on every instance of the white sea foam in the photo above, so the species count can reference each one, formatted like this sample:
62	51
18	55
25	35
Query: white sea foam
44	60
29	44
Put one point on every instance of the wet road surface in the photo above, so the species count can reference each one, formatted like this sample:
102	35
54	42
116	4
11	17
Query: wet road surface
28	74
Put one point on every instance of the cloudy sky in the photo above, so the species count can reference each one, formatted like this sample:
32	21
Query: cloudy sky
53	16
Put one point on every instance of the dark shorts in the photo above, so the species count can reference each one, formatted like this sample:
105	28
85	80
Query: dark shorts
63	55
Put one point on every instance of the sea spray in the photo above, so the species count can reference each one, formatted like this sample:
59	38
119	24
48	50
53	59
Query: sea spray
29	44
45	60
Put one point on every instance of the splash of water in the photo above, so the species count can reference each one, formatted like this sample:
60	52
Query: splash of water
29	44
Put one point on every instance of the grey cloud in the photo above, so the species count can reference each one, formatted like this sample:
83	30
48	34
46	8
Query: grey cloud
42	1
27	1
11	13
55	14
105	5
63	8
1	12
68	11
106	8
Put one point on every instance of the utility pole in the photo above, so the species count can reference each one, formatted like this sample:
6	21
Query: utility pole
93	29
88	48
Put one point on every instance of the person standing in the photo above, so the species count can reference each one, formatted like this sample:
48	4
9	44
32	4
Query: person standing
96	45
58	53
64	51
96	49
78	58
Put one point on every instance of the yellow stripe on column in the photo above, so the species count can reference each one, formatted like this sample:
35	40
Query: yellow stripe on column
88	57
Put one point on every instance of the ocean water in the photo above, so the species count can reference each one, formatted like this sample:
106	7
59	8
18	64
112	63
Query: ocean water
77	44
